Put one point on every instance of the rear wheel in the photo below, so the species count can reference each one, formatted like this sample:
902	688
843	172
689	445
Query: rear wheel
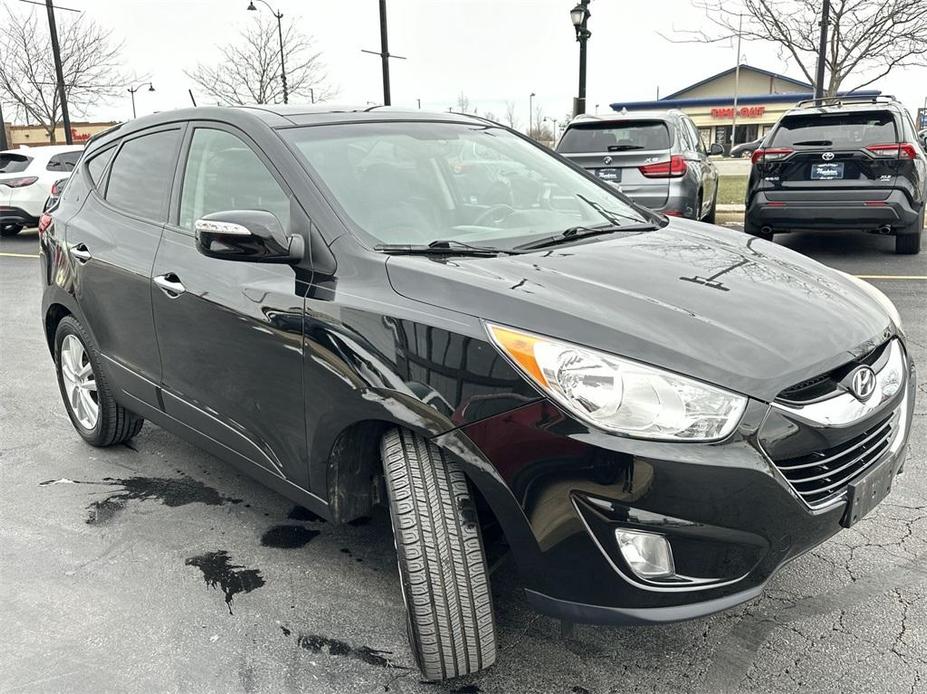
10	230
908	240
712	213
96	415
442	565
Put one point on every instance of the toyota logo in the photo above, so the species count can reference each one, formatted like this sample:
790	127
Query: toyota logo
863	383
607	160
827	156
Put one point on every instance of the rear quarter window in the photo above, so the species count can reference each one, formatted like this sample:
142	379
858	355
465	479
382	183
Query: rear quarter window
96	166
616	137
141	174
849	130
11	162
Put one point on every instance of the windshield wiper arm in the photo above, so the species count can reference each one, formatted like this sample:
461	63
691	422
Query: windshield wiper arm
610	215
442	247
581	232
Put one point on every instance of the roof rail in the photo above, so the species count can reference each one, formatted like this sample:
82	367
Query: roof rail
847	99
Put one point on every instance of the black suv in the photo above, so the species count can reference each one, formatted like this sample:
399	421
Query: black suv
434	313
841	163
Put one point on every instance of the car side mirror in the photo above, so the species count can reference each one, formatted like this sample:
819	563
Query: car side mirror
715	149
247	235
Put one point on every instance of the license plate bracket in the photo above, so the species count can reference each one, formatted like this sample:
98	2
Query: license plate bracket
867	492
611	175
827	172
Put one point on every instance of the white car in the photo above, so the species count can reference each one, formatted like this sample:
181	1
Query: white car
26	179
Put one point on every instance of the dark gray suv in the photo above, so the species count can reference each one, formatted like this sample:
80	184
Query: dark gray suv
654	157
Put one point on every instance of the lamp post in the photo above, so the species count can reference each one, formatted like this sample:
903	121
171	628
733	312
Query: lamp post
579	15
530	111
134	89
279	16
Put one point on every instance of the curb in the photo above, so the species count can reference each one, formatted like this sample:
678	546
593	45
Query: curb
730	208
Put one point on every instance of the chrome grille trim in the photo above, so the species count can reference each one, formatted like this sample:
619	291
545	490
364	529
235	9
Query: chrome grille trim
823	461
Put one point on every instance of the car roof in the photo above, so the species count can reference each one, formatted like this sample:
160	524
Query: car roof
846	107
618	116
46	151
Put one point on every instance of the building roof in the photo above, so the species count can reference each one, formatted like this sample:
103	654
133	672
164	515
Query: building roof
786	98
798	84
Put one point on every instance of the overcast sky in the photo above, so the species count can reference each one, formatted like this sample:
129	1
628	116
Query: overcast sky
492	50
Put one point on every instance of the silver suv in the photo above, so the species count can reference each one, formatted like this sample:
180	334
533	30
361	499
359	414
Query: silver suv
654	157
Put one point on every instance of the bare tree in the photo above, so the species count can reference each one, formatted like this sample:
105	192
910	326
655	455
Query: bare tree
89	61
540	129
511	119
867	38
463	103
249	71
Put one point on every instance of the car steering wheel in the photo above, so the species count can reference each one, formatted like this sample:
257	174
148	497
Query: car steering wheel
496	214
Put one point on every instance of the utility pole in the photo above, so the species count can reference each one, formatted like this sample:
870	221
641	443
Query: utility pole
3	143
822	51
59	74
384	53
740	26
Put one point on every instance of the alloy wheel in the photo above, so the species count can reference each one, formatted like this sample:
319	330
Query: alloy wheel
79	382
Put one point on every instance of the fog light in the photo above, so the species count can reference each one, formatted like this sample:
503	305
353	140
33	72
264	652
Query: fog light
648	554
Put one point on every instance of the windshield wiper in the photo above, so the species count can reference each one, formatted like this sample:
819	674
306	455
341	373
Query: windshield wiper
813	143
442	247
623	148
610	215
581	232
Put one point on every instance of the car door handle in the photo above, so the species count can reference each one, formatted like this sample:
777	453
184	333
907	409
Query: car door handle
80	253
170	284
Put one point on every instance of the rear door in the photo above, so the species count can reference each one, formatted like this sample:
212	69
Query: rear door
112	243
619	152
838	155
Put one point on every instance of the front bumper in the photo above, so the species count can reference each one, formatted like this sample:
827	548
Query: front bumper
731	517
799	211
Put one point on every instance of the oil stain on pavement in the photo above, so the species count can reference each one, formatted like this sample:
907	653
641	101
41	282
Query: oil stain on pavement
170	491
315	643
288	536
231	579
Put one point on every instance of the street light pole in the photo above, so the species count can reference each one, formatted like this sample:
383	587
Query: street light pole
740	26
580	16
822	51
134	89
59	74
384	53
530	111
279	16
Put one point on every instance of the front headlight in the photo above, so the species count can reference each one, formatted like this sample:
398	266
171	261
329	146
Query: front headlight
619	395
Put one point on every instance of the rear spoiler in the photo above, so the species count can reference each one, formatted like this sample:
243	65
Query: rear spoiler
847	99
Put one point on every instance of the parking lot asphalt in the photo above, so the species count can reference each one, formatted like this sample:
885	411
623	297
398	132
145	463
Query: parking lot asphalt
156	567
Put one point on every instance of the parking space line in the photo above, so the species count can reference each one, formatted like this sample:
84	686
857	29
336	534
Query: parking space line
892	277
18	255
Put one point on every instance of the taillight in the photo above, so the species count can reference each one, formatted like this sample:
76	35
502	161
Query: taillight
57	186
45	221
20	182
674	168
769	154
895	150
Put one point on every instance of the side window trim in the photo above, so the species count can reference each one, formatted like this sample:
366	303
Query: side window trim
173	217
180	126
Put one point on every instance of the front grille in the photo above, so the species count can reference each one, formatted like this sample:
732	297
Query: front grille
824	474
827	384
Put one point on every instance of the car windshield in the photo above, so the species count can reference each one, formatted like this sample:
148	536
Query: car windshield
615	137
418	182
836	130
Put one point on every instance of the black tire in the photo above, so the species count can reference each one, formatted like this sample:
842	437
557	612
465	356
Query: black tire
114	423
713	212
8	230
908	240
442	565
754	230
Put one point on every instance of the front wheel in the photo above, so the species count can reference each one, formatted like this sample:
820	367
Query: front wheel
96	415
442	565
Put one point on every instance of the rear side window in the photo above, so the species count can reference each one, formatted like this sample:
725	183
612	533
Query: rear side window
13	163
66	161
141	174
616	137
838	130
97	165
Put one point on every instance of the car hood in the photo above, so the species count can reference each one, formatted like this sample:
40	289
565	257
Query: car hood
711	303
